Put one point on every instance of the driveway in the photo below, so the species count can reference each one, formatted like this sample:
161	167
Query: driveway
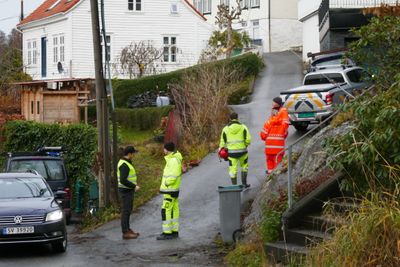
199	199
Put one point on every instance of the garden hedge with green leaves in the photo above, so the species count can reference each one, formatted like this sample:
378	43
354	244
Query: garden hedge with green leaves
249	64
78	140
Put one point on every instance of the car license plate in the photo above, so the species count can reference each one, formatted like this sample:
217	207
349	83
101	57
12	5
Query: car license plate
306	115
18	230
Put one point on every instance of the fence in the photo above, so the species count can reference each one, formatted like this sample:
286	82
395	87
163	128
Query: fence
360	3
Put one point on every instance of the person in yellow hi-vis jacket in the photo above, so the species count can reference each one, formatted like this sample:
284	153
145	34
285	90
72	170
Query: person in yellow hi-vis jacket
236	138
170	185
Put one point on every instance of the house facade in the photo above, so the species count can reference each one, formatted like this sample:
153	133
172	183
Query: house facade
327	23
57	36
270	23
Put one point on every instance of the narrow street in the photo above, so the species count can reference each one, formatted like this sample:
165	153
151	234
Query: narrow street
199	199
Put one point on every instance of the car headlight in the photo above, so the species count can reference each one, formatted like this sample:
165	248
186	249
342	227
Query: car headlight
54	216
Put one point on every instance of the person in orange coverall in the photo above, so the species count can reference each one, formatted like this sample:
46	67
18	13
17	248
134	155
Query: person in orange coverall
274	133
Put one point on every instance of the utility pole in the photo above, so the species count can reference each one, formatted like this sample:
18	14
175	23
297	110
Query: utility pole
102	111
22	11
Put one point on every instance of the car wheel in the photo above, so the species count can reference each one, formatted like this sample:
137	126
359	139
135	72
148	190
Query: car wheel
60	246
300	126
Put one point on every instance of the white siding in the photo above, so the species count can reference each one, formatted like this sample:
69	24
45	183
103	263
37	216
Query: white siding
285	28
308	14
124	27
47	30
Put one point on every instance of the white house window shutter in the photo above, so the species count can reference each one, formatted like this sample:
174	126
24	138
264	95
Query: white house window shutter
29	45
135	5
34	53
55	49
62	49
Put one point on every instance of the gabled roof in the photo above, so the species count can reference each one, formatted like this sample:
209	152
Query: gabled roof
46	9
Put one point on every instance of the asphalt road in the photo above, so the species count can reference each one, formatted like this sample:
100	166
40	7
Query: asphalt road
199	199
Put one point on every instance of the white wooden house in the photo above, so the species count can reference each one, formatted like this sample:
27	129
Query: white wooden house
57	36
270	23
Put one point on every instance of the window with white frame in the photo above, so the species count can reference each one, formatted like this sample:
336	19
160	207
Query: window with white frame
55	49
204	6
108	48
58	48
62	48
169	49
225	2
34	52
255	3
29	48
244	4
174	8
135	5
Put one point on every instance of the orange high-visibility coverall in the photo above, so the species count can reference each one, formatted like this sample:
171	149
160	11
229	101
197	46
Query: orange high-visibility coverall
274	133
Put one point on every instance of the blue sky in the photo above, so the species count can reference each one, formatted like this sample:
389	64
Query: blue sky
10	12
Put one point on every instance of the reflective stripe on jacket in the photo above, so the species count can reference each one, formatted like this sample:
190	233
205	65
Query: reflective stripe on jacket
132	173
275	131
171	180
235	137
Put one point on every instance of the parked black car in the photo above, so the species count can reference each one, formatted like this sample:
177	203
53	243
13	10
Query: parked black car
29	212
48	163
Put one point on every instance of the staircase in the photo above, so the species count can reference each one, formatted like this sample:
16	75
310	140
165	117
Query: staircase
306	225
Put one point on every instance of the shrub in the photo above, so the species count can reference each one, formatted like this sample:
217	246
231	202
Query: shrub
241	91
370	153
79	141
371	238
246	255
141	118
249	64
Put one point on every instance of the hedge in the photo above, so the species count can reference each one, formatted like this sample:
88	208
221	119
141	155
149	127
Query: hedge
79	142
138	118
249	64
141	118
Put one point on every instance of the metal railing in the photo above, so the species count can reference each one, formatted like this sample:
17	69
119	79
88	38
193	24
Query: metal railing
289	149
360	3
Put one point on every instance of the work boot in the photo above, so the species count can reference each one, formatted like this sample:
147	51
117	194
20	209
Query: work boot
244	180
234	181
175	234
165	237
133	232
129	235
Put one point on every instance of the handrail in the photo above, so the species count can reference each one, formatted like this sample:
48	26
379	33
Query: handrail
289	149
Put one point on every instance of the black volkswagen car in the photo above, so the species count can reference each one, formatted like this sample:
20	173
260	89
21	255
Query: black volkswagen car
29	211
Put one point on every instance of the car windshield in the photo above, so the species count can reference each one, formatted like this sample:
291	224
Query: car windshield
324	78
51	170
336	61
23	188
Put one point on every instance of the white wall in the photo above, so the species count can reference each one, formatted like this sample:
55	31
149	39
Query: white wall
47	30
306	7
124	27
285	27
311	36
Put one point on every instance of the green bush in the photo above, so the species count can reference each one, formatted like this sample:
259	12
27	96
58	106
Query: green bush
141	118
249	64
246	255
269	225
241	91
79	141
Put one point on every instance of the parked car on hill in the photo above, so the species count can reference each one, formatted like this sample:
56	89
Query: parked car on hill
30	213
48	163
314	101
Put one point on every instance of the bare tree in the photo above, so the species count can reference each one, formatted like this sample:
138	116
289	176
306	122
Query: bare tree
226	16
138	58
201	101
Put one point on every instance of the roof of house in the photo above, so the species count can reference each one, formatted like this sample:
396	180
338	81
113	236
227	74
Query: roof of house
49	8
52	7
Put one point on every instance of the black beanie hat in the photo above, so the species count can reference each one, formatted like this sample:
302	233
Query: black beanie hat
278	100
170	146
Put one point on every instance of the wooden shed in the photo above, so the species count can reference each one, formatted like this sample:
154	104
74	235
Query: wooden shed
55	101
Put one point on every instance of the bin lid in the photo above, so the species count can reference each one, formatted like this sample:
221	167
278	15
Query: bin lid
230	188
